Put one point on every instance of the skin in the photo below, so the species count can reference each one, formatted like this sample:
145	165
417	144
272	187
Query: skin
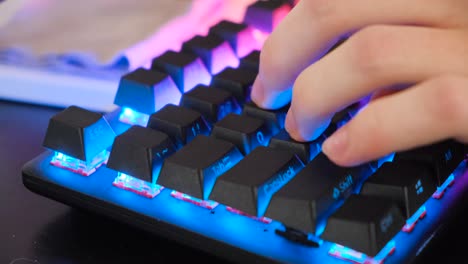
411	57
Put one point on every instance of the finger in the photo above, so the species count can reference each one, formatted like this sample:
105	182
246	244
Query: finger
428	112
375	57
313	26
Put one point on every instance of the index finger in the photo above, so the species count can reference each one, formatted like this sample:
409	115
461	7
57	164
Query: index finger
313	26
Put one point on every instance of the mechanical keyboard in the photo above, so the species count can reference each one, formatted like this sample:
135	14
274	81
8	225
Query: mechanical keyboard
188	156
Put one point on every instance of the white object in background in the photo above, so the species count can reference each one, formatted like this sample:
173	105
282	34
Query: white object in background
7	9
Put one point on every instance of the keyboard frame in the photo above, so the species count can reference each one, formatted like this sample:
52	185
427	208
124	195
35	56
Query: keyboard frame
96	194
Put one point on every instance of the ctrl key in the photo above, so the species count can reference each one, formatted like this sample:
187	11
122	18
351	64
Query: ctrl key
364	223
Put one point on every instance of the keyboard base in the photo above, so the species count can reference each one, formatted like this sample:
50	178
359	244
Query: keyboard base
217	231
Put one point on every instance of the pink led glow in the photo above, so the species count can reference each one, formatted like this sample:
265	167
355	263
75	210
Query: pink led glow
222	57
280	14
198	202
140	187
260	38
81	167
195	74
202	15
409	226
247	42
265	220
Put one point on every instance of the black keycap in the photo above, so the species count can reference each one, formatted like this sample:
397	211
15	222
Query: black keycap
146	91
274	119
186	69
408	183
251	61
249	185
266	15
139	152
314	193
364	223
79	133
180	123
214	104
245	132
240	36
306	151
194	169
444	157
237	81
215	52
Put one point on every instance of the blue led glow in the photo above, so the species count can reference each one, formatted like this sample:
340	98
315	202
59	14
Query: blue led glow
143	188
266	191
79	166
217	168
349	254
132	117
441	189
411	222
386	251
208	204
354	256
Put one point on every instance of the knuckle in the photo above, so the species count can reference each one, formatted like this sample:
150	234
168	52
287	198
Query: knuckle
373	49
306	101
271	63
447	102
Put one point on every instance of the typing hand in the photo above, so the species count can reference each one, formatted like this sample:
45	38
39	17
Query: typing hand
410	56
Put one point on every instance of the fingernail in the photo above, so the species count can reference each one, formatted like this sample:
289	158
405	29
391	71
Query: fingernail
257	93
336	144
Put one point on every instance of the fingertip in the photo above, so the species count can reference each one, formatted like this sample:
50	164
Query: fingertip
257	93
290	126
336	147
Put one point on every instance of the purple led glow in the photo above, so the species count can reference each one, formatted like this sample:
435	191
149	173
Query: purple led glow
194	74
131	117
202	15
79	166
247	42
187	198
222	57
140	187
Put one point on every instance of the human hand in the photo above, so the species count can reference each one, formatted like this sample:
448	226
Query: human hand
420	44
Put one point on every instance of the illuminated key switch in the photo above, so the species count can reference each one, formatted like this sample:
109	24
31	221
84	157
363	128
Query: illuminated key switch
240	36
80	139
137	155
249	190
194	169
215	52
316	191
266	15
143	92
186	69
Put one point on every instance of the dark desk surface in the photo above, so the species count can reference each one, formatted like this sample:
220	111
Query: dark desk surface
34	229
